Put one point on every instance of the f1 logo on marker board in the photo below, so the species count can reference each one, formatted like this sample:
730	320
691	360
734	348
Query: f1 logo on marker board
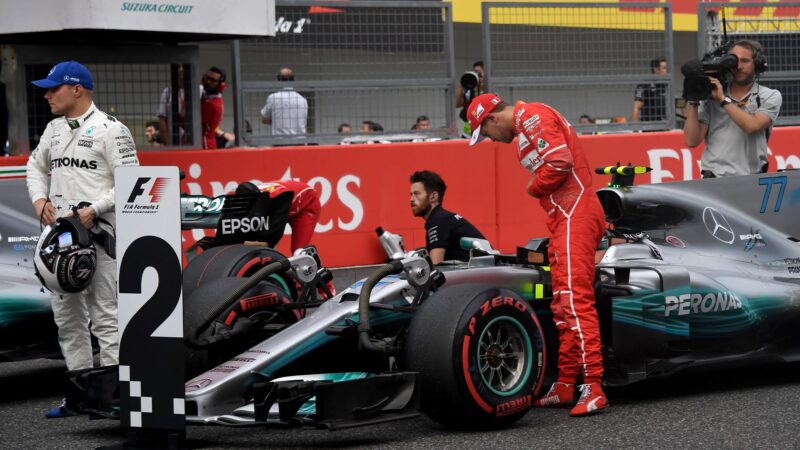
157	188
146	195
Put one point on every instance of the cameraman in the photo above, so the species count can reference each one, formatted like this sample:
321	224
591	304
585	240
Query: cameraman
465	94
736	121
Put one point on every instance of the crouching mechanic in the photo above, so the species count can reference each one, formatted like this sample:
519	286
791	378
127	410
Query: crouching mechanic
302	216
443	229
74	163
549	148
303	212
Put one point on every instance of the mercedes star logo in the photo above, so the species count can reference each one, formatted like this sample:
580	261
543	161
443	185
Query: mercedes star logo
197	384
718	225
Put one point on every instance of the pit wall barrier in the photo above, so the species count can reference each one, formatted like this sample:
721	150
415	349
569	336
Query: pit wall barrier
362	187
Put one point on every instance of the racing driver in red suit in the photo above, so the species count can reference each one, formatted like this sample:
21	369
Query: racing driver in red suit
561	180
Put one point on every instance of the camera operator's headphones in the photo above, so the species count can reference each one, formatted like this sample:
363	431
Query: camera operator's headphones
759	59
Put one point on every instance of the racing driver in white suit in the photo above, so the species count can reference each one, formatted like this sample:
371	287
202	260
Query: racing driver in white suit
80	150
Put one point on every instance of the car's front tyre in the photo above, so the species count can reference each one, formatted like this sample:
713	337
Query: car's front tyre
480	352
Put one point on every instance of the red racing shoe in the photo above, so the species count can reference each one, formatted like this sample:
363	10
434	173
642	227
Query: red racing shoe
559	395
592	401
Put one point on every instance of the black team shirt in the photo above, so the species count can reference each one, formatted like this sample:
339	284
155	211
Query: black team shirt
445	229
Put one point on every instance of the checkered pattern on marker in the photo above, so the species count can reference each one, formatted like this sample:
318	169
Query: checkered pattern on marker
146	403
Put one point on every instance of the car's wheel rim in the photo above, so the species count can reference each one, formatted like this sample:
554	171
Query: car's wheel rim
504	356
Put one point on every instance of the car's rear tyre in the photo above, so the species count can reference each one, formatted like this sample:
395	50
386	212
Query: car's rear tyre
207	282
480	352
233	261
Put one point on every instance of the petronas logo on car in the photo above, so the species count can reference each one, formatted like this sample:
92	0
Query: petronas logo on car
684	304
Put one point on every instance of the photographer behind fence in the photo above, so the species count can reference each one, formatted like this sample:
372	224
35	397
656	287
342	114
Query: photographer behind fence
470	86
727	108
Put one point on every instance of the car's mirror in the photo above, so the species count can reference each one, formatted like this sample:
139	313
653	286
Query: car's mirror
468	243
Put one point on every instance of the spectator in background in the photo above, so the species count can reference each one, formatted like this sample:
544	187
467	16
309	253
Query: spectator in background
247	137
422	123
366	126
465	93
369	126
286	110
211	106
344	128
649	100
225	139
172	129
151	134
585	119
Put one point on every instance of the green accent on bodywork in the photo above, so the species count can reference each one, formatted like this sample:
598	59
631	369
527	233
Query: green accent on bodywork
649	311
18	310
532	291
526	291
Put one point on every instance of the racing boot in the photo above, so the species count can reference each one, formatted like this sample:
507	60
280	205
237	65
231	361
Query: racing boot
592	401
559	395
62	410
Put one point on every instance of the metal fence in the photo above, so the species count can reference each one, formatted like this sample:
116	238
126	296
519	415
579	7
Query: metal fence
776	26
378	61
582	59
130	84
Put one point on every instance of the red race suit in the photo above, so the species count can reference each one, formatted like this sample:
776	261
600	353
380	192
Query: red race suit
210	117
562	181
303	212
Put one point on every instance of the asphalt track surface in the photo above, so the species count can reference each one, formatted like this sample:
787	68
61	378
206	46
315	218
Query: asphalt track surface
754	407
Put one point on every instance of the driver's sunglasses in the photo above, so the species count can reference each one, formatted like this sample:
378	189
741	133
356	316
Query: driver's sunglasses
215	80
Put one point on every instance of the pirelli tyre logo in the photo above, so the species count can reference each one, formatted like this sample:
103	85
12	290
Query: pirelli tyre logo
145	196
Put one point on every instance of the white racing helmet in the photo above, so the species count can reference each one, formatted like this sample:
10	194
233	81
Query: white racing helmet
65	258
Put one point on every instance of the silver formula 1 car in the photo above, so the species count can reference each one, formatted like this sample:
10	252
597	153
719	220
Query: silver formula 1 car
696	274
